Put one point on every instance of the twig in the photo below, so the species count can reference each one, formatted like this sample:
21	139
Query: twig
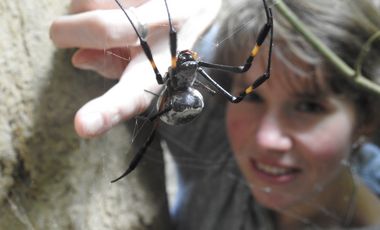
346	70
364	51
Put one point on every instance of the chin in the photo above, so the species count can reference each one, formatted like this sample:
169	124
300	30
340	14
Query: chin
275	198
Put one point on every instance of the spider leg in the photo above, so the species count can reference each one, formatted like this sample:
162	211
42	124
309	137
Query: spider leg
158	114
266	29
226	94
144	46
173	40
140	154
229	96
199	84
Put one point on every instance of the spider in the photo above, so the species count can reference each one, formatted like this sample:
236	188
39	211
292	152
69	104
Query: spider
179	102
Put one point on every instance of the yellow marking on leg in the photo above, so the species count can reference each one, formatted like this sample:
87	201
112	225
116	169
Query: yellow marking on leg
174	62
153	65
249	90
255	50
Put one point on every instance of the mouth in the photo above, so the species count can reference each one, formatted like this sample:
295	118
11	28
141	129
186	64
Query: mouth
273	172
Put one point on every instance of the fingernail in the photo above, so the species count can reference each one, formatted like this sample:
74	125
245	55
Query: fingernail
83	65
82	61
93	123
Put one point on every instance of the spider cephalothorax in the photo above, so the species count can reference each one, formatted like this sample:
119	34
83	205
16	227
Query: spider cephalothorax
184	73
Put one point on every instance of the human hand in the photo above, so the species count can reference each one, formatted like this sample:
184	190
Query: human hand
103	34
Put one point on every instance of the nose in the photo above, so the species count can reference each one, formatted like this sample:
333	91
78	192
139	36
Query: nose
271	134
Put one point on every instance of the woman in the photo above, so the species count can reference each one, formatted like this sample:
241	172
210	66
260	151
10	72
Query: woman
292	138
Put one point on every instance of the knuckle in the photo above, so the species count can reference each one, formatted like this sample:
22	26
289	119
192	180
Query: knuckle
54	32
99	23
112	26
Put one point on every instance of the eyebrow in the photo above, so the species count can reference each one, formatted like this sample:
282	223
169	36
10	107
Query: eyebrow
310	95
309	89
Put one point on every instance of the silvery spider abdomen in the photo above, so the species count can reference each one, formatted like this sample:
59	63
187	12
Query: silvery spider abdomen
185	105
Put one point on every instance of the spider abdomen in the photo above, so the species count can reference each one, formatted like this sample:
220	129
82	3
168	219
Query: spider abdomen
185	105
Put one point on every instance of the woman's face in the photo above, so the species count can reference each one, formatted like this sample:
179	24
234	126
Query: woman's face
288	143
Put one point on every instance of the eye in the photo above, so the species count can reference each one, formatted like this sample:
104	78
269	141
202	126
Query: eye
310	106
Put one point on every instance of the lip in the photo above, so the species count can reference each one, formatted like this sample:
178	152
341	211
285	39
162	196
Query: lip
273	172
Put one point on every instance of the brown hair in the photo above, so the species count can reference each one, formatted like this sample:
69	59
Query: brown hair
343	25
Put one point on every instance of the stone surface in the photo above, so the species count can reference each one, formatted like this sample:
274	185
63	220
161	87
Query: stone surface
49	177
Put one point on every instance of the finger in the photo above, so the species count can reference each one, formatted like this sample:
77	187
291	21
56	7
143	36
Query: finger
104	29
100	29
78	6
101	114
108	63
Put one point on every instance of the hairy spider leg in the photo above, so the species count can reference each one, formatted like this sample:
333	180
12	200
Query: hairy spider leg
139	155
144	46
263	34
173	40
141	152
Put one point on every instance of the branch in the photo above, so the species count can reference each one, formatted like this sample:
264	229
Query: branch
364	51
346	70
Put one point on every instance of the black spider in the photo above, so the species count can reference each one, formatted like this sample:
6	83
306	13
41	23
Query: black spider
180	102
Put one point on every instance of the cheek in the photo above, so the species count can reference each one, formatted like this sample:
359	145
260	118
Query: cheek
238	126
327	145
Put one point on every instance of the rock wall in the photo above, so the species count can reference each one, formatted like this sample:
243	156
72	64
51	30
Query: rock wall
49	177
